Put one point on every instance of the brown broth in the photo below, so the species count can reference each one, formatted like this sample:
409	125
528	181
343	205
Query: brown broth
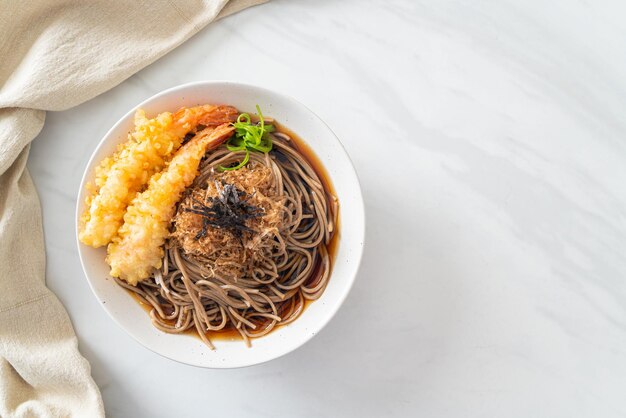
230	333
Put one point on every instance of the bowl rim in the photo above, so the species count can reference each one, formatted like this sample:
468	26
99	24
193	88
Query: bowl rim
359	204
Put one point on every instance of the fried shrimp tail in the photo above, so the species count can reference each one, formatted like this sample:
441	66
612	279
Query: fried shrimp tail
120	177
137	249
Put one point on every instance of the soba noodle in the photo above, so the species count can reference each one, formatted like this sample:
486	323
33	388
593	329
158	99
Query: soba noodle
290	265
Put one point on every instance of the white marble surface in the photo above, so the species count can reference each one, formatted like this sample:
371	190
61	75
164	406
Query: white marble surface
489	138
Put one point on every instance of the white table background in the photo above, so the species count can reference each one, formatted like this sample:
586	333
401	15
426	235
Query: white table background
489	139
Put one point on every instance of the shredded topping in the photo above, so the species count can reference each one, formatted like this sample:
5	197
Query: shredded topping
230	219
229	210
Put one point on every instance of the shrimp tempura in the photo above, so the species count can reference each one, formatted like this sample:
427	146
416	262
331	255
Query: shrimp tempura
138	247
150	146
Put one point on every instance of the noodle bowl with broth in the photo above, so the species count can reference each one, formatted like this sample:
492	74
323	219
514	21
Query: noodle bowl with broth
166	193
230	232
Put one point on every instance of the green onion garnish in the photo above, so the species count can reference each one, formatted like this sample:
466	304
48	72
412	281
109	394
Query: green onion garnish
249	137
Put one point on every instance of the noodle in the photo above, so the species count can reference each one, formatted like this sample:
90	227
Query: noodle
255	283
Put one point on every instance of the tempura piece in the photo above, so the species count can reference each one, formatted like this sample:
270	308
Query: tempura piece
138	247
149	148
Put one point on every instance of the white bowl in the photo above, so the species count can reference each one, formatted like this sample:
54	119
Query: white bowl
189	349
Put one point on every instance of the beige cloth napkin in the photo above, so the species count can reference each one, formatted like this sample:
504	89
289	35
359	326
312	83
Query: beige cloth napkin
56	54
